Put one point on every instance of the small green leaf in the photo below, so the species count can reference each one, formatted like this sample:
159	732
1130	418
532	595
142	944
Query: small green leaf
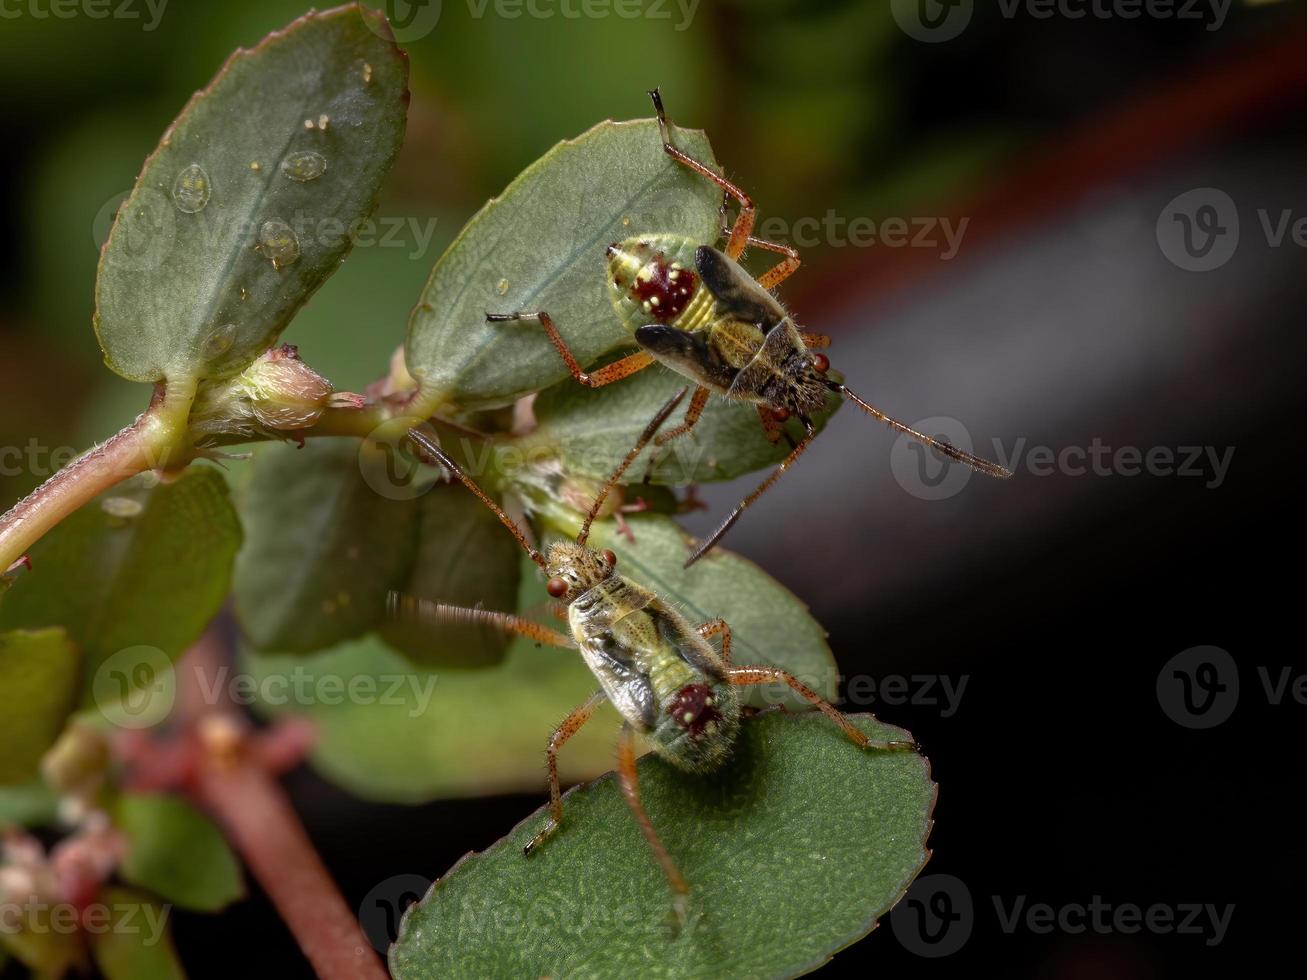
29	804
136	942
769	624
142	568
245	207
176	852
323	549
792	852
406	735
590	430
540	246
38	688
463	558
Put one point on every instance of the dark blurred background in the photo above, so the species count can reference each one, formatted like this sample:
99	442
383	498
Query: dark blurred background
1092	305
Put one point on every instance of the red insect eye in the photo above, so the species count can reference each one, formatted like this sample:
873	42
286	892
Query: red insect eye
556	587
780	414
610	558
820	363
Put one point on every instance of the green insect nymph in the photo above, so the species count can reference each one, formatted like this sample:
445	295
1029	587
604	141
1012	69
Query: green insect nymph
669	684
697	311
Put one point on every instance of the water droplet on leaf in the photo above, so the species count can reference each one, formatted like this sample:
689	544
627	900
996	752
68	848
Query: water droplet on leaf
190	191
121	508
304	166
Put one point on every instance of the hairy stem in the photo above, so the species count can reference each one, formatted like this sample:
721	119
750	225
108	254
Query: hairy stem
153	441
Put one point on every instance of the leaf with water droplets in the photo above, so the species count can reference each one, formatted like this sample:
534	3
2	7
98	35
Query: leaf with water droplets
540	246
246	206
792	851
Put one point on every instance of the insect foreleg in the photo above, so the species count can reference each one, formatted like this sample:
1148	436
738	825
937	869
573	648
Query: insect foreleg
745	676
568	727
605	375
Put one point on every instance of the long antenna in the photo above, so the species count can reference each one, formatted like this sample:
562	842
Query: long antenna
949	450
428	445
654	424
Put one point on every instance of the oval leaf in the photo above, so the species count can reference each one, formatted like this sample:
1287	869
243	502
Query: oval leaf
176	852
540	246
38	688
589	430
142	568
323	550
245	207
136	943
792	853
463	558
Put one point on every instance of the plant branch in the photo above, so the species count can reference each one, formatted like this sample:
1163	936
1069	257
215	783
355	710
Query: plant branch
151	442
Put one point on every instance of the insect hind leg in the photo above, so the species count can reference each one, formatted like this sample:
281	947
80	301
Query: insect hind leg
743	227
568	727
629	778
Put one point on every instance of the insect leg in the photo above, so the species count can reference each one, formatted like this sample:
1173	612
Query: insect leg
427	611
697	402
630	782
568	727
743	227
607	374
781	270
770	427
712	628
762	488
745	676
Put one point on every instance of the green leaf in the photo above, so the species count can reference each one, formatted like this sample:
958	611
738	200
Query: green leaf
463	558
143	568
38	688
589	430
183	291
136	943
176	852
29	804
540	246
792	852
323	547
769	624
409	735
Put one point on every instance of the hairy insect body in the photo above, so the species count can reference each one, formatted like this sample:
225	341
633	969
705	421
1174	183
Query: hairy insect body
712	323
660	674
